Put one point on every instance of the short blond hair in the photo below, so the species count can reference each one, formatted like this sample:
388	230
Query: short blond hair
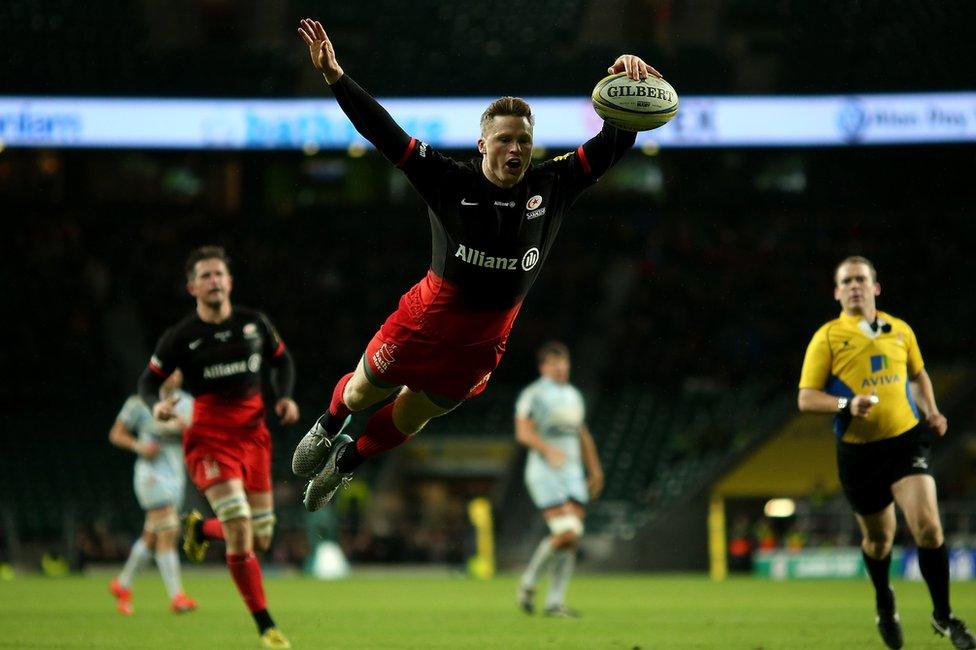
515	106
857	259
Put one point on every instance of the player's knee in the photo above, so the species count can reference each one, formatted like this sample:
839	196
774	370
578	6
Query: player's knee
234	513
237	535
164	527
231	508
355	396
566	530
929	534
168	523
354	399
877	547
166	539
566	541
262	525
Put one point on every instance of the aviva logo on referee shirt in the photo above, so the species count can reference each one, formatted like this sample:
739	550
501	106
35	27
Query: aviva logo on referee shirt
879	363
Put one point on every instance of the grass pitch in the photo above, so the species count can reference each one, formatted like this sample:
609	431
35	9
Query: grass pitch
423	611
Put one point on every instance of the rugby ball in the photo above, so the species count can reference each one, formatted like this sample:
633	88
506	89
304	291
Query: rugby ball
634	105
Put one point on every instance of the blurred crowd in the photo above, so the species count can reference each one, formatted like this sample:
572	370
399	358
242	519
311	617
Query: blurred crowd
219	48
708	282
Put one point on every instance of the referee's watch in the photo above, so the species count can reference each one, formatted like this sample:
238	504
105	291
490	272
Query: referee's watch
842	404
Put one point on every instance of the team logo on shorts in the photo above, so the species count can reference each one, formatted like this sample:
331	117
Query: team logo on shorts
211	468
484	380
534	202
383	358
530	259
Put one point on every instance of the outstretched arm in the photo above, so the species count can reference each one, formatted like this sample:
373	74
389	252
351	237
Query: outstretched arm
602	152
370	119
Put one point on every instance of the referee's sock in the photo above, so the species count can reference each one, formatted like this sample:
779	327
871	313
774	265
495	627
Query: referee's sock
878	570
934	565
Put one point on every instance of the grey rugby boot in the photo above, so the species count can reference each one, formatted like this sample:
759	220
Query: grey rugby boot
561	611
324	485
313	449
525	596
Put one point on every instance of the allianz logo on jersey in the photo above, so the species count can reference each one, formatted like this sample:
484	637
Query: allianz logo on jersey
478	258
880	363
221	370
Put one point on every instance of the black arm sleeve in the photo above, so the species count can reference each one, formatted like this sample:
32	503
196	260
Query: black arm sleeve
603	150
370	119
282	375
149	384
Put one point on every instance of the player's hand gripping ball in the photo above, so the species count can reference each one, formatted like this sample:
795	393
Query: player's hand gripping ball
631	105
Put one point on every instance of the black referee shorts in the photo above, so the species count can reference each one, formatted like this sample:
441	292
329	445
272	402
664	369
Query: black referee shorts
868	470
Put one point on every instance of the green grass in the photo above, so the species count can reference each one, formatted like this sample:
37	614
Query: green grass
417	611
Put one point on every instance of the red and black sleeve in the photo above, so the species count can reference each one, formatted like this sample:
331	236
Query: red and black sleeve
602	151
161	365
372	120
282	364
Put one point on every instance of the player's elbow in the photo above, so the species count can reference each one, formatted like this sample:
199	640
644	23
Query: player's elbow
803	401
115	436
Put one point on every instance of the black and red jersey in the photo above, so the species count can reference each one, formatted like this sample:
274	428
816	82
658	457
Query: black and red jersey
488	243
222	367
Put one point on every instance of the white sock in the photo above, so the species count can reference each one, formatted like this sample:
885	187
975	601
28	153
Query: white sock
169	567
138	558
540	558
564	561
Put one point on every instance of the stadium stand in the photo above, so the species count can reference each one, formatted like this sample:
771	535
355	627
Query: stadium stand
189	47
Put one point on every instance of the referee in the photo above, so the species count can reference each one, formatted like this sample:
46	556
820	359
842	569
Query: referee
865	367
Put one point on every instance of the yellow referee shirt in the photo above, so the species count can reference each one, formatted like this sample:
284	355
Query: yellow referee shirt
847	358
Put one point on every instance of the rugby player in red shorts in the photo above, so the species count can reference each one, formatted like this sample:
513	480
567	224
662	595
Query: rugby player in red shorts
221	351
493	221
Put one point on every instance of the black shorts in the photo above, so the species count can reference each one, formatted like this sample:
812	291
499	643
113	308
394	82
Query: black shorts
868	470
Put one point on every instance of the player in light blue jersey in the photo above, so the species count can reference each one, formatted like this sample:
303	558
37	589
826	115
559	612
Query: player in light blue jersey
159	482
550	419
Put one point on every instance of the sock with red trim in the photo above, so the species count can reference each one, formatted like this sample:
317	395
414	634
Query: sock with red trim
210	529
246	572
380	435
336	416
